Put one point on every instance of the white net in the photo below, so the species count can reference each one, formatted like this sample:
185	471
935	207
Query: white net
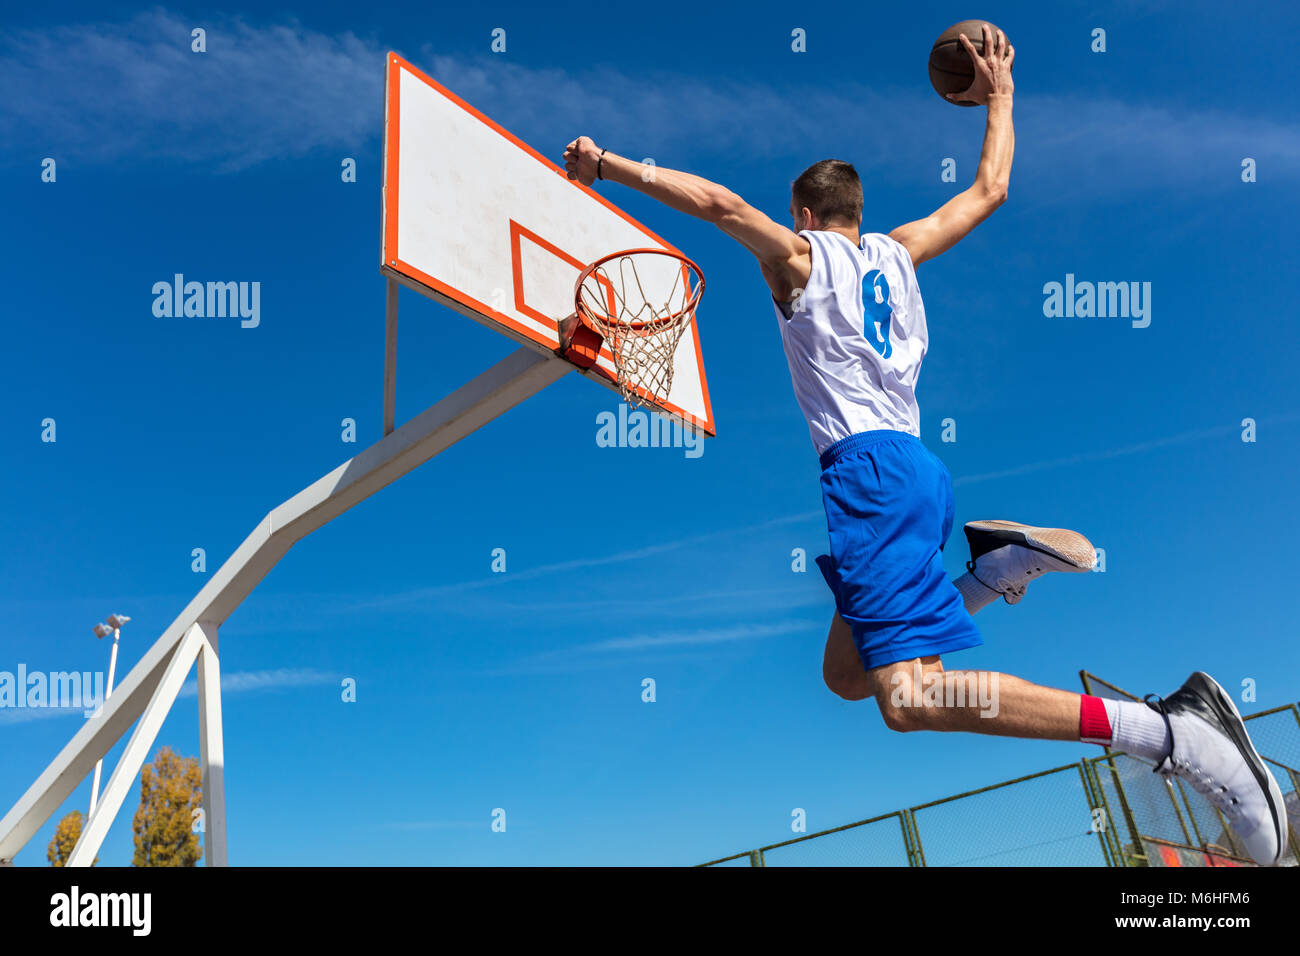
642	302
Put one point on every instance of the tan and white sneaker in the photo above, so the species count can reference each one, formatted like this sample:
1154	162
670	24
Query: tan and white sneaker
1006	555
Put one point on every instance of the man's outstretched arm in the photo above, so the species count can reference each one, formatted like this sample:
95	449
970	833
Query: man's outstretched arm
941	230
777	248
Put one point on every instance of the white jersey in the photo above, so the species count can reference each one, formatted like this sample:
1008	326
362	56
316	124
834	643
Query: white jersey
855	338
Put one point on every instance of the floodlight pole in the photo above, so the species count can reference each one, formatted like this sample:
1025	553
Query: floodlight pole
112	668
150	688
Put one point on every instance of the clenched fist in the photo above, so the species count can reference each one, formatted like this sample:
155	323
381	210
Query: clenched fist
580	160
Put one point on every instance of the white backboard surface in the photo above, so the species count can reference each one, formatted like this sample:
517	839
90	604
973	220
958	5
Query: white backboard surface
481	222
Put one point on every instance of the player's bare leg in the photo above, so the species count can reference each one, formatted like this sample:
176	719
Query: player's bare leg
979	702
1196	733
841	666
1005	557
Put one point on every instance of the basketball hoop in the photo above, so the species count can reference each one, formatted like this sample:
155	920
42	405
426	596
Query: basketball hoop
636	304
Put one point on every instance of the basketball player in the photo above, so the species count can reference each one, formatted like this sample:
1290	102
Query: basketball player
853	327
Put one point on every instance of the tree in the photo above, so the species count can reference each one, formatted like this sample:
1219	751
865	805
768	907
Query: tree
65	838
170	796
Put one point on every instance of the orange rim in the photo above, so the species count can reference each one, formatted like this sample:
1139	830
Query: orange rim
654	325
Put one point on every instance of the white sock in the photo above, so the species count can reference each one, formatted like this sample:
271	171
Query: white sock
1137	729
974	594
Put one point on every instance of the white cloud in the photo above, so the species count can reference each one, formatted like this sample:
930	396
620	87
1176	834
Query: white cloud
576	564
616	650
265	680
22	715
104	92
132	90
435	825
1203	434
692	638
230	684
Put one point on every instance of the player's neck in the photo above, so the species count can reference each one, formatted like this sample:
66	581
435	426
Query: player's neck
852	233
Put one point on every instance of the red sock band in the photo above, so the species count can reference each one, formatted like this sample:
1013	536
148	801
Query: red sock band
1094	725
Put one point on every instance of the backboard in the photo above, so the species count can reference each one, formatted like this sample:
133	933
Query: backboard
481	222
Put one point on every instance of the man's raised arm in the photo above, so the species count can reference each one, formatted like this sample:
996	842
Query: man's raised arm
773	245
941	230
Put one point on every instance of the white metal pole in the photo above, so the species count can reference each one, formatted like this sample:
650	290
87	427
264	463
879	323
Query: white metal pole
112	668
390	356
212	749
133	757
518	376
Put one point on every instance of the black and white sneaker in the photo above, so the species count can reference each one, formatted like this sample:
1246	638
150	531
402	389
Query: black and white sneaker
1006	555
1213	753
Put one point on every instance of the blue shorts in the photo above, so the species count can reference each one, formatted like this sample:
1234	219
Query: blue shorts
889	510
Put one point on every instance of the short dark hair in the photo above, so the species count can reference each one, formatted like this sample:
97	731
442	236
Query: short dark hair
831	190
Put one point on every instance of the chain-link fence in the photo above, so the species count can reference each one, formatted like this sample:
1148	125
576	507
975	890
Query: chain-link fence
882	841
1112	810
1044	819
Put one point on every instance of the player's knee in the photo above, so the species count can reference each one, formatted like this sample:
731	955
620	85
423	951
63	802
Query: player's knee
898	695
846	686
901	718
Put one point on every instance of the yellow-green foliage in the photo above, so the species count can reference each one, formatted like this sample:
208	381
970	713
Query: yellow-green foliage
169	796
65	838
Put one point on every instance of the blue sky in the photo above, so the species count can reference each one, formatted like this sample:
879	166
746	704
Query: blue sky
523	690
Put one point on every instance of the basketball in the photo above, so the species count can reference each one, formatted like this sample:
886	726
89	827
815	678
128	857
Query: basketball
951	69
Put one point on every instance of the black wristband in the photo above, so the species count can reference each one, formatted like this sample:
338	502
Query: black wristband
599	163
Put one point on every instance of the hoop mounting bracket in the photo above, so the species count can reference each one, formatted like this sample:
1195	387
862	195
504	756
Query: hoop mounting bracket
579	342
